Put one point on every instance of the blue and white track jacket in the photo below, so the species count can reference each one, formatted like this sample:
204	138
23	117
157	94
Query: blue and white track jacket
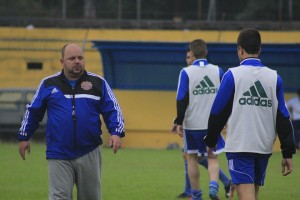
73	115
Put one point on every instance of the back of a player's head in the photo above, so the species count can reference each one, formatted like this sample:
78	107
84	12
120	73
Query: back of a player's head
198	47
249	39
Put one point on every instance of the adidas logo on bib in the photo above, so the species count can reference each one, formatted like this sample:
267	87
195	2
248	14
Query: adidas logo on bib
205	86
256	96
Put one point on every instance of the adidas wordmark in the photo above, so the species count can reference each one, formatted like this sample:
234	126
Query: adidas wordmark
256	96
206	86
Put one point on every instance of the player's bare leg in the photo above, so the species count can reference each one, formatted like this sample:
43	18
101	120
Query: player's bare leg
246	192
193	171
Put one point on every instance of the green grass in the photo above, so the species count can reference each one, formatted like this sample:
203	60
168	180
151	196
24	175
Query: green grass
131	174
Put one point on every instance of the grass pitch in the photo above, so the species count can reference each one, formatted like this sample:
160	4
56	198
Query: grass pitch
131	174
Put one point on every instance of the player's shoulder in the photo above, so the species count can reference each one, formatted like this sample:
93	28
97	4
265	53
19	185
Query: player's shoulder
94	76
50	80
213	65
189	68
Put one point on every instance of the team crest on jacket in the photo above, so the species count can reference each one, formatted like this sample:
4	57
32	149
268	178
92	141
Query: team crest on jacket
86	85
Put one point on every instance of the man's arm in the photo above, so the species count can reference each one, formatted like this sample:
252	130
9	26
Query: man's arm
221	73
33	116
182	98
284	127
290	108
112	116
221	110
111	111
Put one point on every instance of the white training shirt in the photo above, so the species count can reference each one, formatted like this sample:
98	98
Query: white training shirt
254	108
204	82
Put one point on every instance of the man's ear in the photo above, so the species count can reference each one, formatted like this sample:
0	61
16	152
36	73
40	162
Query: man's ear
242	51
259	51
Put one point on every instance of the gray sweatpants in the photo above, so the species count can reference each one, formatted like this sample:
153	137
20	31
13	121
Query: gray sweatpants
84	171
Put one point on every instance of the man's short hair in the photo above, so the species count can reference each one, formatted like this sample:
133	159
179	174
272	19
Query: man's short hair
249	39
188	49
199	49
63	50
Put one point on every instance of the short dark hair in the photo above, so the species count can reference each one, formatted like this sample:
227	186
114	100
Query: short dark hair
198	47
249	39
188	48
63	50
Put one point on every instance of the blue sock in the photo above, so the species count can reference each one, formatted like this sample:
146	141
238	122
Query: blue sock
222	176
224	179
196	194
187	188
213	188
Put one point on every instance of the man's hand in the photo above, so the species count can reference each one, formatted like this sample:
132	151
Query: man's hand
173	128
179	130
23	146
115	142
210	152
287	166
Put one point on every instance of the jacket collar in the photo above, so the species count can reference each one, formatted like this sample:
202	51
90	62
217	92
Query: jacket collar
252	62
82	77
200	62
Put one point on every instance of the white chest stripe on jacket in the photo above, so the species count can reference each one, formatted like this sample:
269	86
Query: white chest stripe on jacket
88	96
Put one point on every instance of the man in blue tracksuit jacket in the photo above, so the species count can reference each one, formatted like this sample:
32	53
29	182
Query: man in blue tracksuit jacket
74	100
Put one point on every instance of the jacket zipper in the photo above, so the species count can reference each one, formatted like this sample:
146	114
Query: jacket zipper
74	118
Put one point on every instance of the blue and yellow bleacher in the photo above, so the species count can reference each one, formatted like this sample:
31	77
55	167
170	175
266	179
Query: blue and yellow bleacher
148	114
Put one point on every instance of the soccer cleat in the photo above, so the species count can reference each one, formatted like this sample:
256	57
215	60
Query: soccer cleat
214	197
229	190
197	197
183	195
213	194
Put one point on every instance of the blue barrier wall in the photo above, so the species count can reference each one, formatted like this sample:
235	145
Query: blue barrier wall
156	65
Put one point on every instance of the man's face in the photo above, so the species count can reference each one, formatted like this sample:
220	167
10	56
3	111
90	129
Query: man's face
73	61
189	58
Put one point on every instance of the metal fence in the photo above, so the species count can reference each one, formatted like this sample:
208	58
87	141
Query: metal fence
167	14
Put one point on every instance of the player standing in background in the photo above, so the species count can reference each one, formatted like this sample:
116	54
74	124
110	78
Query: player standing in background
190	58
251	96
197	87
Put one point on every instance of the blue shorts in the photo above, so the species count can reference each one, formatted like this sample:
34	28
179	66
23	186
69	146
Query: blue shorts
194	144
247	168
